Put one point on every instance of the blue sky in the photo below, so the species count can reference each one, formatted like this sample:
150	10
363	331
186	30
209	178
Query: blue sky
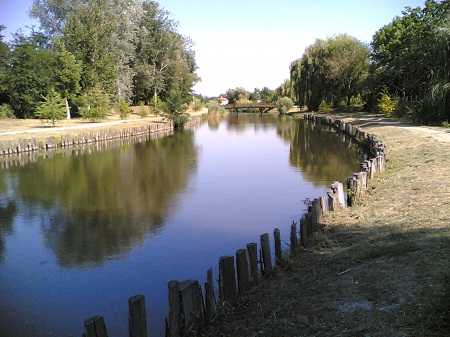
250	43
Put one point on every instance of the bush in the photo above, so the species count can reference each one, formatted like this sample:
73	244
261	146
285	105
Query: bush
123	108
386	104
214	107
284	104
357	102
6	111
197	105
94	105
324	107
53	108
143	110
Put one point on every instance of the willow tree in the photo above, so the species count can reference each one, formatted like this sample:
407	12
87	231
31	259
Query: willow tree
330	70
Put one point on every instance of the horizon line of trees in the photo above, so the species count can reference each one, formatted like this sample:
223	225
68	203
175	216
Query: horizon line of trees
87	51
404	71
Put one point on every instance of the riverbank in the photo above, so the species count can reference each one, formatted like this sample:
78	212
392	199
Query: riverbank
15	129
377	269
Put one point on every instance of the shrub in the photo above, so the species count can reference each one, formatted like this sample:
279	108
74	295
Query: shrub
324	107
284	104
143	110
6	111
94	105
386	104
53	108
214	107
197	104
123	108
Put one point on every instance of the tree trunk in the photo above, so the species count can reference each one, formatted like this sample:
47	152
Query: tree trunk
67	108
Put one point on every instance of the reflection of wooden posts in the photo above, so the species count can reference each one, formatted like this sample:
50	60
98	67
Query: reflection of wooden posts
227	280
252	249
137	318
266	259
95	327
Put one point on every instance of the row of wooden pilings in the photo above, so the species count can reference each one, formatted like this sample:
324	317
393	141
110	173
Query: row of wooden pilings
190	311
28	145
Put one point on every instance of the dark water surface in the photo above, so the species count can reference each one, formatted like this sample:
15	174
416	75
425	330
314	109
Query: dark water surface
80	234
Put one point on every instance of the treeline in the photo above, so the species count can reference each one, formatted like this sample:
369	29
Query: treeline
404	71
91	52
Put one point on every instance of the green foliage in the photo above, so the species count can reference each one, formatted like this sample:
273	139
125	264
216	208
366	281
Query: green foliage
386	104
410	58
175	107
357	102
143	110
332	70
123	108
214	107
6	111
197	104
234	95
445	124
52	108
284	104
324	107
94	105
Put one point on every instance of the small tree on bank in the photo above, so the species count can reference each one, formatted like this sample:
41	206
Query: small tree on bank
284	104
53	108
175	108
95	105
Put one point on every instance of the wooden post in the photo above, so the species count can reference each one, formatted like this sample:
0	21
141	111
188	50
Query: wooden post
137	316
227	280
277	239
265	253
303	231
191	304
95	327
252	249
294	240
174	309
243	277
339	189
210	306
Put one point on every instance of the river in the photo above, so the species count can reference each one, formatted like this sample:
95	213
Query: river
81	233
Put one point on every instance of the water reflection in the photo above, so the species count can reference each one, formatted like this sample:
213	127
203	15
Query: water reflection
318	152
101	204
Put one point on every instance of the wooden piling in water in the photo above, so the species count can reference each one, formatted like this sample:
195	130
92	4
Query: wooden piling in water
137	321
252	250
294	239
191	304
210	300
266	258
227	280
242	270
277	240
174	320
95	327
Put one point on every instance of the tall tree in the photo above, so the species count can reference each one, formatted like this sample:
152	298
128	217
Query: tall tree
329	70
410	59
29	75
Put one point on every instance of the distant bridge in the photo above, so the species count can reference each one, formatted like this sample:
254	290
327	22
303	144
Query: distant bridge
262	107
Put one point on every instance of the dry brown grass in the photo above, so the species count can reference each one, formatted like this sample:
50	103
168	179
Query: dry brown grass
378	269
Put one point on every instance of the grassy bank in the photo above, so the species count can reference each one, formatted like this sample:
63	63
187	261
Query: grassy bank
378	269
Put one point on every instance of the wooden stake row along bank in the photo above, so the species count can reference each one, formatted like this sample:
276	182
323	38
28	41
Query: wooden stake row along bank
190	311
28	145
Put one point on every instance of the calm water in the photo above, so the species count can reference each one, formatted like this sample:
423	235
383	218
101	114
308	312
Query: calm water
80	234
